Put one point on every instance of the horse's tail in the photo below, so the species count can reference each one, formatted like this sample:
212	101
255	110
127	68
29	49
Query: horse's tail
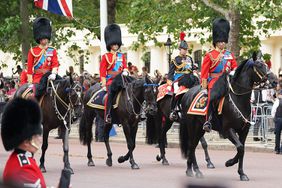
153	128
183	138
85	126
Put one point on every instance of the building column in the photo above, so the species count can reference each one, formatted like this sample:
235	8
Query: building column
157	60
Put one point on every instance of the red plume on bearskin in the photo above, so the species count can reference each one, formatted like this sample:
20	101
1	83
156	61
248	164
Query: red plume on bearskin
182	35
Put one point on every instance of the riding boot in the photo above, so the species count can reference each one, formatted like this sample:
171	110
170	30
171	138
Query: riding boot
173	114
108	118
207	125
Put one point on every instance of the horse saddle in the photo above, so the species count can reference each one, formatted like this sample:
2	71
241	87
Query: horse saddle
199	105
98	99
164	90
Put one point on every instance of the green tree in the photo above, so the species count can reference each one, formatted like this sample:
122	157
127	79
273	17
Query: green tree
249	19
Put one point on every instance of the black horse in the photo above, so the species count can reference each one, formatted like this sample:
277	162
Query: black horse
234	122
59	105
127	113
158	125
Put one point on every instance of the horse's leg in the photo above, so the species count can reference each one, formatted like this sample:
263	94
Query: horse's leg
133	131
205	147
107	130
129	134
65	140
44	148
165	128
89	155
234	139
240	153
242	138
196	168
189	171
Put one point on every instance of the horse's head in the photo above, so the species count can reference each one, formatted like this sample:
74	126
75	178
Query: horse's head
150	90
262	76
75	96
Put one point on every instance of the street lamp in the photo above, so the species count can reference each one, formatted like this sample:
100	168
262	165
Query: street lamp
168	45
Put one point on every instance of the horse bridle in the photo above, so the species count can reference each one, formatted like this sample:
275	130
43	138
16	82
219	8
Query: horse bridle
69	107
126	84
262	77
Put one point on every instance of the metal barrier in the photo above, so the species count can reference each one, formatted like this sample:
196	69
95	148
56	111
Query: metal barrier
264	126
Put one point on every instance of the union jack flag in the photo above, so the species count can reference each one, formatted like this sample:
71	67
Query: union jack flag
61	7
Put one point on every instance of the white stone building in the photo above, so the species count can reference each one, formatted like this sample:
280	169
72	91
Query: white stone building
158	56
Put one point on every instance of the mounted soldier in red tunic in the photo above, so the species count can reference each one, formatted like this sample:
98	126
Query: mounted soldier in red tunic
215	63
112	65
42	62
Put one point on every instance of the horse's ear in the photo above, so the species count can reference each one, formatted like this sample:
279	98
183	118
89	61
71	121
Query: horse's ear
254	56
147	79
71	79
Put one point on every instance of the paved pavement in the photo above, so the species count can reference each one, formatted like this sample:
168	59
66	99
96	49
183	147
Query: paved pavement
263	169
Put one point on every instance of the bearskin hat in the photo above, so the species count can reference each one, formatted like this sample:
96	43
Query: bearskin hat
42	29
21	120
220	30
112	36
183	44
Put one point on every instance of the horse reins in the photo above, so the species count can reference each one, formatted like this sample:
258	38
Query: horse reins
69	107
261	76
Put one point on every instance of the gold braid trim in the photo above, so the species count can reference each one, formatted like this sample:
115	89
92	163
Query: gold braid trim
215	60
34	55
113	60
179	66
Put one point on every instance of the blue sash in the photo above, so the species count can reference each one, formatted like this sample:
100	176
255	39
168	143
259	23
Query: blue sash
221	65
118	64
42	58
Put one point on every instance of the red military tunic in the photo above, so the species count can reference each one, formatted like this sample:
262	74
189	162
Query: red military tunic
210	70
21	168
109	67
41	61
23	77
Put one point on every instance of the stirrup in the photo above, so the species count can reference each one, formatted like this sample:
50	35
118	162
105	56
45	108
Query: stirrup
108	119
207	126
173	116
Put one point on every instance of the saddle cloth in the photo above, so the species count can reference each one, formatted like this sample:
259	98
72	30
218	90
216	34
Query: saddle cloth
166	89
199	105
98	99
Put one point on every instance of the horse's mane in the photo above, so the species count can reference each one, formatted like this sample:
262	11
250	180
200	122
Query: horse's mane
239	69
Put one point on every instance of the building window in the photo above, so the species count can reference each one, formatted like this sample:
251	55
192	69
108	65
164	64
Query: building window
198	58
81	64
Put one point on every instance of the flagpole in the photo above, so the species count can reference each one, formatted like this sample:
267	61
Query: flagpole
103	24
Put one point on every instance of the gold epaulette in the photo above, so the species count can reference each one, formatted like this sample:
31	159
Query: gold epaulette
178	66
34	55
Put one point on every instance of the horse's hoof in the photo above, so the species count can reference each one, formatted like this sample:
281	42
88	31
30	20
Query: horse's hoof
199	175
42	169
69	169
121	159
165	162
158	158
109	162
189	173
229	163
210	165
244	177
134	166
90	163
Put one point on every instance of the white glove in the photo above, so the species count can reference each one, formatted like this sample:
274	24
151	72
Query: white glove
52	76
205	91
125	73
232	73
